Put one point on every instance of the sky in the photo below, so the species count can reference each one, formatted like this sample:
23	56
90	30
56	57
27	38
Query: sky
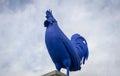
22	35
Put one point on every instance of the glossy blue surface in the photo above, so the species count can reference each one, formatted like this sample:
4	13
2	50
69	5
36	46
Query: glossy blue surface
65	53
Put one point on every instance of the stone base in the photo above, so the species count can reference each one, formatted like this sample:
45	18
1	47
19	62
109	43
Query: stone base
54	73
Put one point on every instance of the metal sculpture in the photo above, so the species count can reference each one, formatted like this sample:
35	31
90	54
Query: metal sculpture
65	53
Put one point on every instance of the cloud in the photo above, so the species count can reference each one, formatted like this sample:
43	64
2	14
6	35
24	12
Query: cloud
13	5
22	48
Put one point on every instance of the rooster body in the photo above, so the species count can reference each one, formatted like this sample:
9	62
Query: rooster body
65	53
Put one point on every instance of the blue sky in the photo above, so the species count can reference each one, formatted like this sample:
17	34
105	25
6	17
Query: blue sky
22	47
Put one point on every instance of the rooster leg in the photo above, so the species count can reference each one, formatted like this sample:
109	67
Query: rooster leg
67	71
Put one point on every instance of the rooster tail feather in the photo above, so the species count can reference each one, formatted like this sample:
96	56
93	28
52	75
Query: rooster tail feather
81	45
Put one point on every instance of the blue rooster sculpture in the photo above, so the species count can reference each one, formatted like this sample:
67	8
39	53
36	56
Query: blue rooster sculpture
65	53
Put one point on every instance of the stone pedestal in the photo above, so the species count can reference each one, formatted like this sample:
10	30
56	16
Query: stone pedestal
54	73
